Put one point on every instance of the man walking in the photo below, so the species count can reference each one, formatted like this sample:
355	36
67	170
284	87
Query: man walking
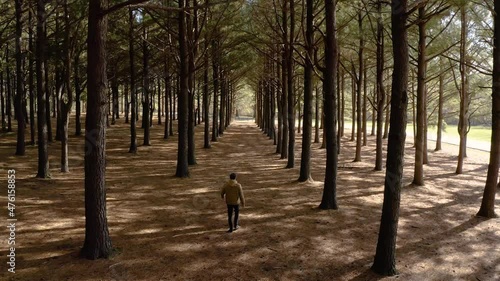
234	193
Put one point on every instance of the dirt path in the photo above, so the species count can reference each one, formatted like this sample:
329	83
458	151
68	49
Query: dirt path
174	229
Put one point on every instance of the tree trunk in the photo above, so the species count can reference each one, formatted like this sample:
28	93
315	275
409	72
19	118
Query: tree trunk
146	89
114	97
206	98
418	176
66	105
464	95
380	87
215	71
133	93
440	110
353	107
78	131
47	91
385	256
9	94
97	241
31	79
316	115
159	94
43	155
291	97
305	160
488	203
2	100
329	198
365	102
168	88
19	98
284	83
359	86
183	99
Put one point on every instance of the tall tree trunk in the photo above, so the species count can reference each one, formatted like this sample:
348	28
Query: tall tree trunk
353	107
9	94
43	155
488	203
440	110
284	84
31	77
223	93
387	116
365	102
380	87
146	89
114	97
192	36
126	105
66	105
215	71
206	98
159	90
19	98
385	256
133	93
97	241
464	95
316	115
279	101
418	176
342	113
2	100
359	86
329	199
291	96
168	88
183	99
48	93
305	160
78	93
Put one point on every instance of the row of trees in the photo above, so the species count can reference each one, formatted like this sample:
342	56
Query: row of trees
177	49
293	51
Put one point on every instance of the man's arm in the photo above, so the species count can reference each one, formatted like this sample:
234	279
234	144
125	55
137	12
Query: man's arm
242	197
222	191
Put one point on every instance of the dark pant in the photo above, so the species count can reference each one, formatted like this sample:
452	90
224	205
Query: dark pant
230	209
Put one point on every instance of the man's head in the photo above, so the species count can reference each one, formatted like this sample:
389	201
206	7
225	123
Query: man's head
232	176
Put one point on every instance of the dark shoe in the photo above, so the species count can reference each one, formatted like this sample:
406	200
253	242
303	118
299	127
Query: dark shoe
229	231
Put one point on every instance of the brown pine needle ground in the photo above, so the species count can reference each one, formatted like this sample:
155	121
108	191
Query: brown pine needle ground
166	228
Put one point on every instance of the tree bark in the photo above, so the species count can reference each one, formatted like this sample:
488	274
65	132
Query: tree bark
20	91
464	95
183	99
385	256
215	72
329	198
43	155
31	79
97	241
380	87
66	105
359	89
133	93
305	160
146	89
291	96
488	203
418	176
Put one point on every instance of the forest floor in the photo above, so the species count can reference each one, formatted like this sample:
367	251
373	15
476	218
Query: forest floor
165	228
